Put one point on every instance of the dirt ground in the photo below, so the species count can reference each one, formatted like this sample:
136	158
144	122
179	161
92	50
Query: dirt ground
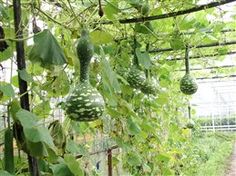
232	167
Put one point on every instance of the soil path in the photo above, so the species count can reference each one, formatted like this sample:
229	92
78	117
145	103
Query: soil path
232	168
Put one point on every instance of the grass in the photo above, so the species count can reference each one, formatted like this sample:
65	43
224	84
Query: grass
209	154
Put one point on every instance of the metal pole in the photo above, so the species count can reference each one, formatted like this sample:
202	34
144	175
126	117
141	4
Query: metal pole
109	161
20	56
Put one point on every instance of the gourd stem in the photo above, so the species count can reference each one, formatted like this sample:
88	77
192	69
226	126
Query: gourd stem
187	60
189	111
135	59
84	71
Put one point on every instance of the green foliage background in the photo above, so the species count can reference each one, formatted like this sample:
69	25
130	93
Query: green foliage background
148	129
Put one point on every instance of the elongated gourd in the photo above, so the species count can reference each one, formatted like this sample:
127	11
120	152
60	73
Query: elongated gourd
85	103
8	151
188	84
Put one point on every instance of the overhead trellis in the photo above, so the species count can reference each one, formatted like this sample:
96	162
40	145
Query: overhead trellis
172	14
198	46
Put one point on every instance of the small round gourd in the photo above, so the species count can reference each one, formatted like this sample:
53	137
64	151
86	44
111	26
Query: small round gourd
149	88
85	103
188	85
190	124
136	78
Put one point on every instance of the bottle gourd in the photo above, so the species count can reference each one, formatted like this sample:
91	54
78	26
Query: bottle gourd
188	84
9	152
85	103
137	78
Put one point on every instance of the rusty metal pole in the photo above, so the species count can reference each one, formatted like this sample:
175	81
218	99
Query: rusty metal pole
109	161
20	58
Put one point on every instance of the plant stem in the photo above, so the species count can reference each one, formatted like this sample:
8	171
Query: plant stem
187	60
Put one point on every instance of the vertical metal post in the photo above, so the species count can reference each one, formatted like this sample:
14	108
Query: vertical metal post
109	161
20	56
213	122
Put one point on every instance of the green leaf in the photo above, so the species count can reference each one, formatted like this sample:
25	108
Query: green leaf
72	147
222	50
61	170
111	11
46	50
14	107
163	158
143	58
144	28
7	89
37	149
43	109
26	118
73	165
39	134
25	76
100	37
134	129
163	98
15	81
57	85
134	159
3	12
34	68
108	74
7	54
177	41
37	137
5	173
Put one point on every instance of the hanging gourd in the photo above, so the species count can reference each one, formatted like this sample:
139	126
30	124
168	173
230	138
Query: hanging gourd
188	84
149	88
9	151
85	103
191	123
136	77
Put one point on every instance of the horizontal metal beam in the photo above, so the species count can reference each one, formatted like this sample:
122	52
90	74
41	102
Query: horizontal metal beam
210	68
158	50
206	55
217	77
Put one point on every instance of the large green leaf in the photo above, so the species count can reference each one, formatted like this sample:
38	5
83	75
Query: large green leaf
26	118
37	137
46	50
38	134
